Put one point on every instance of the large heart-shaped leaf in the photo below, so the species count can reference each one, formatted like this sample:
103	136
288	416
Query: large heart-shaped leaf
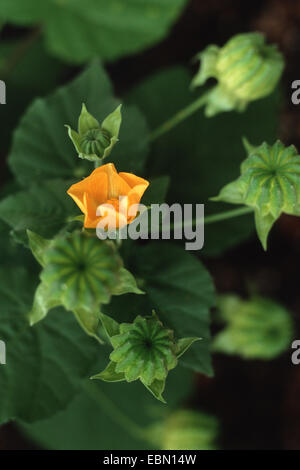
22	85
41	147
44	209
78	31
91	422
44	364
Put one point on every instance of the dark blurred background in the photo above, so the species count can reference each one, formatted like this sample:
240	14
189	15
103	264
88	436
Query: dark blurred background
257	402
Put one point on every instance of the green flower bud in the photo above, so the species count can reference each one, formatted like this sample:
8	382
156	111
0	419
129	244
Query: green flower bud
82	271
143	350
255	329
93	141
186	430
246	68
269	183
79	273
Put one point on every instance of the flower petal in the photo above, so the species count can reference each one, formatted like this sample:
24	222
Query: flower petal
133	180
116	185
94	185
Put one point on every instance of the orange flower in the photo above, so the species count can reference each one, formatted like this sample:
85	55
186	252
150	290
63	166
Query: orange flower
107	193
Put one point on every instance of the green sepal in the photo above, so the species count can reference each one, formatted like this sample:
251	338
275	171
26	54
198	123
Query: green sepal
89	322
208	59
38	246
269	183
77	218
112	124
220	100
42	303
75	137
111	327
109	374
86	121
94	141
126	285
248	146
184	344
156	388
263	225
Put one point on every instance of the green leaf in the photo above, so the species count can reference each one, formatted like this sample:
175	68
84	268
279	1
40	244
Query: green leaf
126	284
109	374
184	344
89	423
157	191
72	28
13	251
180	290
45	363
38	245
42	208
200	154
42	150
22	84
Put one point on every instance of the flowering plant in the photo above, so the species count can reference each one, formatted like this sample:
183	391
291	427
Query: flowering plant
98	323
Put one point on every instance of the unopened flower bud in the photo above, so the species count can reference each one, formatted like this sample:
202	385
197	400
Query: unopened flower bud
246	68
143	350
254	329
94	141
269	183
186	430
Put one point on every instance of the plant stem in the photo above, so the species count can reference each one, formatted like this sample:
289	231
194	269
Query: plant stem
113	411
211	219
20	51
180	116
